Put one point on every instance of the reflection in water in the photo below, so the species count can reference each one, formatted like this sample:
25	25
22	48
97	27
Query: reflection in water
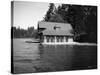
34	57
68	57
56	57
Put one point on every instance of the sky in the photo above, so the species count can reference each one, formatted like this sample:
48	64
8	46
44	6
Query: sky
27	14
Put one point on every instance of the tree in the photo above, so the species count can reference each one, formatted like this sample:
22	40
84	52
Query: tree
82	18
49	12
30	32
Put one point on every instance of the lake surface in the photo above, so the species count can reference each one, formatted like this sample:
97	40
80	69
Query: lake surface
35	57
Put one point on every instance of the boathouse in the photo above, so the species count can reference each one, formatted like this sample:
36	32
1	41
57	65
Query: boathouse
55	33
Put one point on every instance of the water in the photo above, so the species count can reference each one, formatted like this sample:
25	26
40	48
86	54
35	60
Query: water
34	57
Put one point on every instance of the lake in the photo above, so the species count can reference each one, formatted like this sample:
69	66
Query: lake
35	57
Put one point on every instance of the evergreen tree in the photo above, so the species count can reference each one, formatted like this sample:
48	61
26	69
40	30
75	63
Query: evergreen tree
82	18
49	12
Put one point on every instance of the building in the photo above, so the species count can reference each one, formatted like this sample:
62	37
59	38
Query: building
55	33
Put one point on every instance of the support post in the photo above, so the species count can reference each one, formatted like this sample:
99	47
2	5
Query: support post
45	40
64	39
55	39
49	39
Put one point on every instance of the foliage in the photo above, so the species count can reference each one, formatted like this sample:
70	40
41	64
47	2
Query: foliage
49	12
82	18
24	33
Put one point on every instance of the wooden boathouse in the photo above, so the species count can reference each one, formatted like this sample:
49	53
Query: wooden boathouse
55	33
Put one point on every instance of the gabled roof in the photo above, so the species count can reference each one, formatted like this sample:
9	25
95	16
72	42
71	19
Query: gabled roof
49	28
53	32
50	25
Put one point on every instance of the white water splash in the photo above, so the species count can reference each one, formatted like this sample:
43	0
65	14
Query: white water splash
70	43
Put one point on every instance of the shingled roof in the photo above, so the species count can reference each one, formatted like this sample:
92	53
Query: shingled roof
49	28
53	32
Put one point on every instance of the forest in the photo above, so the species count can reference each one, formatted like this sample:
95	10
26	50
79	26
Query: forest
82	18
30	32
